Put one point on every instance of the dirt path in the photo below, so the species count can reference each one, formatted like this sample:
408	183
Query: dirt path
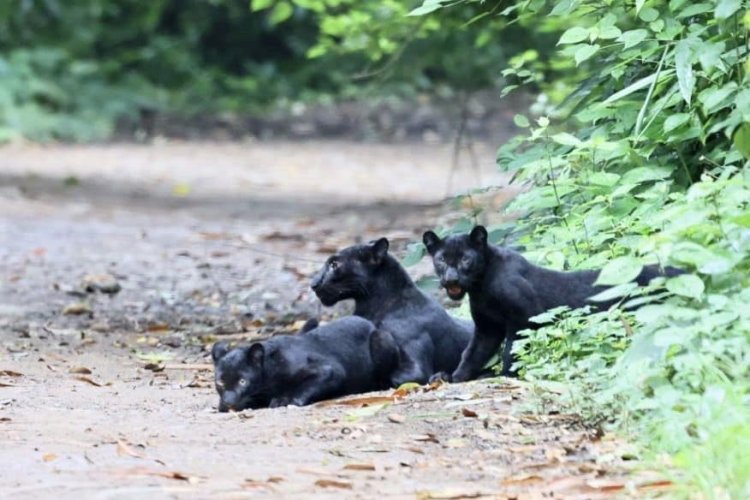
216	240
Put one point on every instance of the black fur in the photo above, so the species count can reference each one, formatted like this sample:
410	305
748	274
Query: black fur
429	339
505	290
346	356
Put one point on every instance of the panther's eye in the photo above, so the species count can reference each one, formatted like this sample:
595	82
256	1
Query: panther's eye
242	382
333	265
219	384
465	261
440	259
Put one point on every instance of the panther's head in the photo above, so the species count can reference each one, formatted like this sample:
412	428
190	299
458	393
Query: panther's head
348	274
459	260
239	376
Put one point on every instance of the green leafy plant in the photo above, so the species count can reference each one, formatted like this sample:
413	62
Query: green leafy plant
637	152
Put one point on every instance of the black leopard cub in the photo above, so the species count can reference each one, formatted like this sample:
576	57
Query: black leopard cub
505	290
346	356
429	339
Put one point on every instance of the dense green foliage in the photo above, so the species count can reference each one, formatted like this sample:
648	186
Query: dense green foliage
72	69
639	154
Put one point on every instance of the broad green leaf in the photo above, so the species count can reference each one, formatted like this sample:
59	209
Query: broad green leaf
648	14
633	37
687	285
585	52
427	7
609	32
644	174
281	12
574	35
742	140
684	67
619	270
566	139
742	104
614	292
674	121
636	86
725	8
521	121
709	54
695	9
414	255
603	178
256	5
714	99
742	220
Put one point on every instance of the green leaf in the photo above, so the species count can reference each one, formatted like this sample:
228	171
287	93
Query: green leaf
687	285
742	104
633	37
714	99
725	8
521	121
636	86
620	270
603	179
566	139
639	175
585	52
256	5
414	255
684	67
427	7
574	35
614	292
742	140
281	12
676	120
648	14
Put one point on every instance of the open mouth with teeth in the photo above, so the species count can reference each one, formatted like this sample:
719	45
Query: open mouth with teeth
454	291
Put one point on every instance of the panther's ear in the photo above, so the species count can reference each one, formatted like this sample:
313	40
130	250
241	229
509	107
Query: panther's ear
432	241
255	355
219	350
379	250
478	237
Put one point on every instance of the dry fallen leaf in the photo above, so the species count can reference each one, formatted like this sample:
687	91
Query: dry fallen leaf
124	449
427	438
90	381
145	471
80	370
77	308
48	457
469	413
366	401
10	373
449	494
362	467
332	483
522	480
396	418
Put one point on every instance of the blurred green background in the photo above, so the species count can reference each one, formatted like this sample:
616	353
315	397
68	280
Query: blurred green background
83	70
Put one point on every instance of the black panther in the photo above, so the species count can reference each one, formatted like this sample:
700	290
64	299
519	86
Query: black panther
346	356
505	290
429	339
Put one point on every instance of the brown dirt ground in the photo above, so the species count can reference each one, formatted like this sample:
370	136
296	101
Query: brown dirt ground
213	240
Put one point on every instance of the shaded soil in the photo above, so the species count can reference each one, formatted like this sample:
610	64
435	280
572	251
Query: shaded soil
209	241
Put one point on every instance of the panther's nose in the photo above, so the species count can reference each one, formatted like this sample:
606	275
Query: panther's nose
316	282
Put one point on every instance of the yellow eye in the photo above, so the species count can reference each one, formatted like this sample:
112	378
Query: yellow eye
242	382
